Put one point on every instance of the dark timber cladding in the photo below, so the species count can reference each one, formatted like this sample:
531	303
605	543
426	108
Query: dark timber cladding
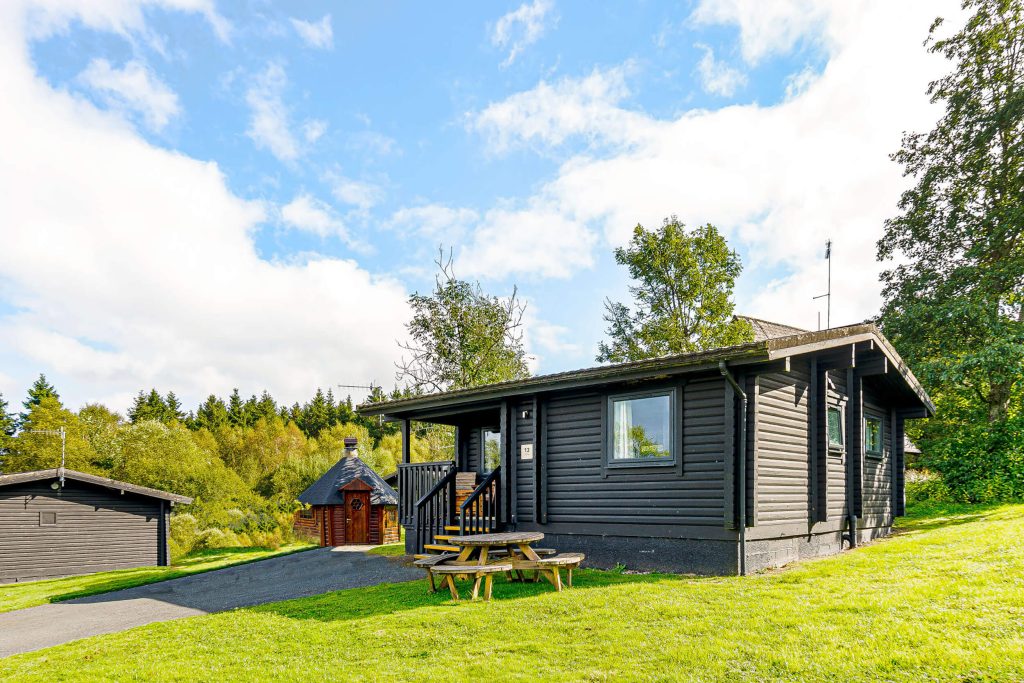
87	524
561	470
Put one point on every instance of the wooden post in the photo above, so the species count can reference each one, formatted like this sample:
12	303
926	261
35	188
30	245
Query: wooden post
405	442
729	503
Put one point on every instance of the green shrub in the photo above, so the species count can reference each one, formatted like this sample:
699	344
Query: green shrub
926	487
980	463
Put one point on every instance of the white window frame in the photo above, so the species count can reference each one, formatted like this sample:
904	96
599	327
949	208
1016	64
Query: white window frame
881	436
841	444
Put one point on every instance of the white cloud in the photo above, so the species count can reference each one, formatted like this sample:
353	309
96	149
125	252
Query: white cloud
118	16
538	240
777	179
131	266
356	193
716	77
268	122
374	143
550	113
521	28
318	34
133	87
436	222
771	27
313	130
308	213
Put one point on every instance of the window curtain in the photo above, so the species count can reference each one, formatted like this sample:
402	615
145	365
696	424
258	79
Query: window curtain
623	427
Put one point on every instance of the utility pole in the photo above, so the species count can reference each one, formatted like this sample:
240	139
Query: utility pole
62	433
828	294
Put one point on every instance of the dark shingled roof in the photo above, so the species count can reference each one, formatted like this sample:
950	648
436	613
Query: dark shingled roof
775	348
766	329
45	475
324	490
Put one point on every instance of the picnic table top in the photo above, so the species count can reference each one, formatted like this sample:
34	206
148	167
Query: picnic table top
504	538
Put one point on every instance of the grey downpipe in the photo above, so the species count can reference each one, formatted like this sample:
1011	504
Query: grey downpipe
742	483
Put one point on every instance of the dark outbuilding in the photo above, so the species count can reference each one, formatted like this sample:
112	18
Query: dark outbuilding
350	505
62	522
719	462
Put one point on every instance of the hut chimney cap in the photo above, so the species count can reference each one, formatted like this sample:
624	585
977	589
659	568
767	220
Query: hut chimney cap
350	443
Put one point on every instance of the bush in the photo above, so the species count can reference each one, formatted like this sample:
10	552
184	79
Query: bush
980	463
926	487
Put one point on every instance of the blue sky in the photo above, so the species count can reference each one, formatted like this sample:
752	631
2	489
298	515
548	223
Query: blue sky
207	195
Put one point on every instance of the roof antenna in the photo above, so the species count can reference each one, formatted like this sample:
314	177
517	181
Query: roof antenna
828	294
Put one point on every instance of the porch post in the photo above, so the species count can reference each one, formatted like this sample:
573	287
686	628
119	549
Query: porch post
405	442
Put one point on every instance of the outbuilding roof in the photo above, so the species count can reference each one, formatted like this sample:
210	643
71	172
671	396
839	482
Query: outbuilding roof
768	349
766	329
55	474
325	490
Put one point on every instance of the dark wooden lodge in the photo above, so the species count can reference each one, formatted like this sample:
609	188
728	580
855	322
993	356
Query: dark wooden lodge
720	462
62	522
350	505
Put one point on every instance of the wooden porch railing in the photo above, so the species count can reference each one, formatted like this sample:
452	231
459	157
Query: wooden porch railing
479	513
434	510
414	480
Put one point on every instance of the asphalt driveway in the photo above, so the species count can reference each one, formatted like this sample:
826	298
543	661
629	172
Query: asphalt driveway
280	578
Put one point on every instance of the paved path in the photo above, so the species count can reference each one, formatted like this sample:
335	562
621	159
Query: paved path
280	578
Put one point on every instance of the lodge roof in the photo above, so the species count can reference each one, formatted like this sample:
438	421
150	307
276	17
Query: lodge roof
55	474
325	490
766	329
758	351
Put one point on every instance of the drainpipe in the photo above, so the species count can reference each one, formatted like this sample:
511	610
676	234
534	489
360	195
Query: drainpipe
742	483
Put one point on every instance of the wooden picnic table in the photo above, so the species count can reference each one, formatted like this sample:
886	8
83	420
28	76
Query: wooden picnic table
477	547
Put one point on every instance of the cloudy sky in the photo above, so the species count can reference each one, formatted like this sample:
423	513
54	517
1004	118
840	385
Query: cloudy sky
200	195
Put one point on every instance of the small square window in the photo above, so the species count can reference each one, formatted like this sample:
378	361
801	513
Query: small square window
641	429
47	518
873	436
306	513
835	427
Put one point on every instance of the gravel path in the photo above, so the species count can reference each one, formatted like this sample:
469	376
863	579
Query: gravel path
280	578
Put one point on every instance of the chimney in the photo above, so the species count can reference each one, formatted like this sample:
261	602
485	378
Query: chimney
350	445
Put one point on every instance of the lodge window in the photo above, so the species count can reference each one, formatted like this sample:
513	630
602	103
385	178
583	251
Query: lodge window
835	427
873	436
47	518
641	429
491	440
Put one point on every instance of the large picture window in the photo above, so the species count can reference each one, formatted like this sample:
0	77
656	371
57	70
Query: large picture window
641	429
873	436
835	427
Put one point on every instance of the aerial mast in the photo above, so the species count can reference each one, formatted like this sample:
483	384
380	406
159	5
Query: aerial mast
828	294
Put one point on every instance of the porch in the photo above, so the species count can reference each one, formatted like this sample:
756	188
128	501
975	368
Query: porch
469	493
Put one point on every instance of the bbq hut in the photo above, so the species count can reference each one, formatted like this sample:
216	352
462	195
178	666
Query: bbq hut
350	505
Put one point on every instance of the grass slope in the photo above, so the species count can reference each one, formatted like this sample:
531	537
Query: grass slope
942	601
21	595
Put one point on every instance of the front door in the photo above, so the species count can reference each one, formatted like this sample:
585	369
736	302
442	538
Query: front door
357	517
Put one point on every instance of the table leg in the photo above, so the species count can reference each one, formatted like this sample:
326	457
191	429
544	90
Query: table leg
487	588
476	585
430	575
528	553
465	553
558	579
451	585
484	550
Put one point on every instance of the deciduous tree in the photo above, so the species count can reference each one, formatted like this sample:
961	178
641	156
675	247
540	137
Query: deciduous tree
682	295
461	337
954	305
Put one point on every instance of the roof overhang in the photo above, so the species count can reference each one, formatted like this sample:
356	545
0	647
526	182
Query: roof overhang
769	350
113	484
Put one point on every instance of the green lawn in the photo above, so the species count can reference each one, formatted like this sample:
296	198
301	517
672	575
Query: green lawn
941	601
20	595
389	550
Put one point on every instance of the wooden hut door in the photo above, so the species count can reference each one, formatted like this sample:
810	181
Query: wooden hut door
357	516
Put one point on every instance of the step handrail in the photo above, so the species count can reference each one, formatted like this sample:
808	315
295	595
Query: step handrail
435	509
485	501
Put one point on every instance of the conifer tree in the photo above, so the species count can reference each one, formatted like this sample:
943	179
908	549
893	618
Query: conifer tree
174	412
39	390
211	414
